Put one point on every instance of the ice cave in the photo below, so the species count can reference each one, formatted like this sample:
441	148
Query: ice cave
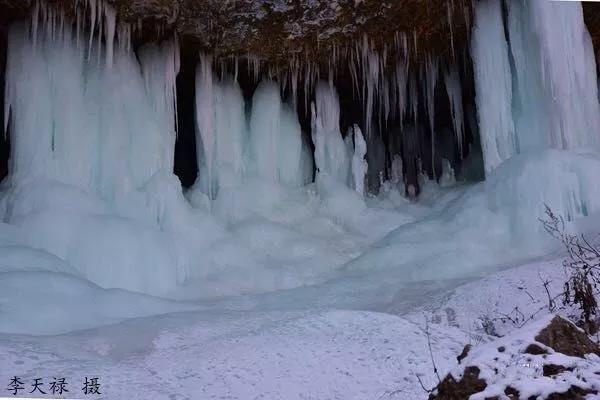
299	199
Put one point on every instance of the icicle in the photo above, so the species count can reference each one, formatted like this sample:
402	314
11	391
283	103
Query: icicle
174	65
370	66
124	37
111	18
307	84
34	22
359	164
78	28
99	12
277	152
205	117
294	71
235	74
354	74
450	6
8	96
431	74
454	90
254	66
413	96
493	84
92	6
401	86
415	42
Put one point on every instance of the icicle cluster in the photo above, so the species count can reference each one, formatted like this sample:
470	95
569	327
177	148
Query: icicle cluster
269	147
85	112
391	88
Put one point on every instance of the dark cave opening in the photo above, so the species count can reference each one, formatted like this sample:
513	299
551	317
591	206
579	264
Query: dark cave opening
186	165
410	139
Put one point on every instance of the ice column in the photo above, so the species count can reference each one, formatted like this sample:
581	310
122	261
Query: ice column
205	118
221	133
331	156
277	150
531	107
359	164
231	135
493	84
160	66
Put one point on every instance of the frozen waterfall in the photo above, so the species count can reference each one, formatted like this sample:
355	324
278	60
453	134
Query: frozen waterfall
548	96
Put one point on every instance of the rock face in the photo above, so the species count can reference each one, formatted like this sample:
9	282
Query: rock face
451	389
276	29
549	359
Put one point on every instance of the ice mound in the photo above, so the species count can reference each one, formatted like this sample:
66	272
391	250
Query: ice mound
471	236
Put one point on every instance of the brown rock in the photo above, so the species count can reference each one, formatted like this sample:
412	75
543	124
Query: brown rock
535	350
511	392
451	389
564	337
464	353
574	393
553	369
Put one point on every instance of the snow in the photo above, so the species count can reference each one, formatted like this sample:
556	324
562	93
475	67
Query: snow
241	355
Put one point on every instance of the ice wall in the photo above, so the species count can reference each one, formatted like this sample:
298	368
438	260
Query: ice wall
103	128
537	88
530	104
